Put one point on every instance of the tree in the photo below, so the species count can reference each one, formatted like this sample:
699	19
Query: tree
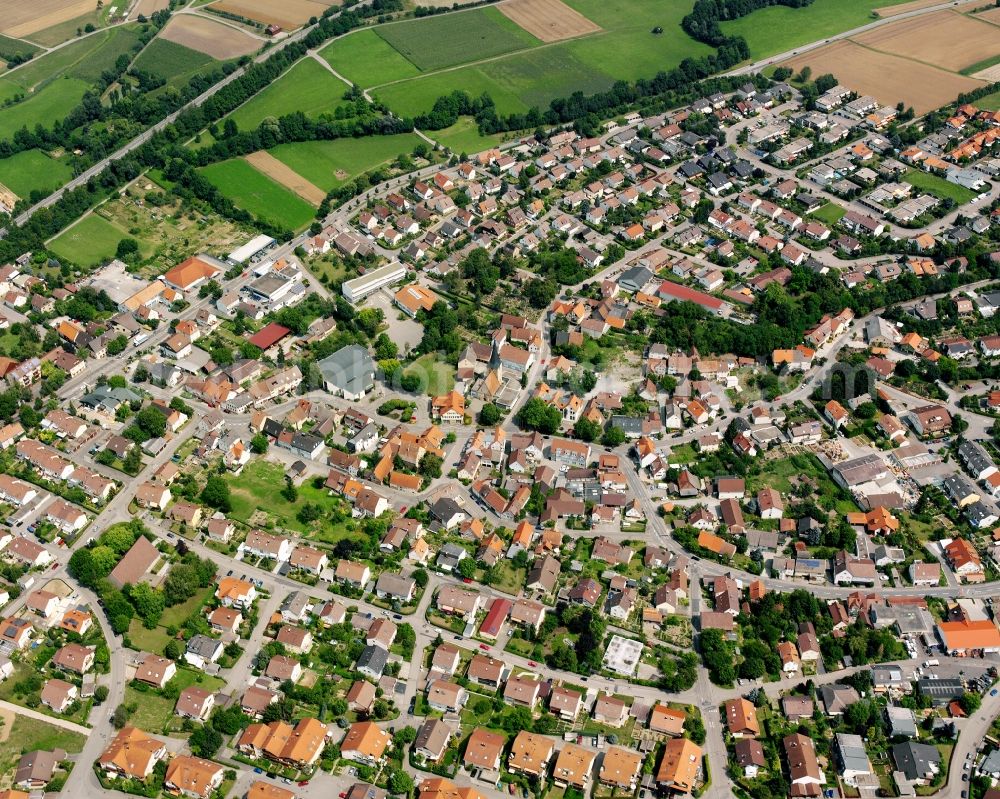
406	735
148	603
536	414
430	465
215	494
259	444
420	577
400	782
586	429
613	437
489	415
101	693
120	717
467	568
205	741
126	248
385	348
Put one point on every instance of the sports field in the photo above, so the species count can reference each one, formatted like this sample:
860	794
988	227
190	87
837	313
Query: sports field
365	58
778	29
445	41
52	102
171	61
89	242
33	170
258	194
329	164
307	87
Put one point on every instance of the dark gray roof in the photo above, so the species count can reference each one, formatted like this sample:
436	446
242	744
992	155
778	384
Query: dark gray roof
349	369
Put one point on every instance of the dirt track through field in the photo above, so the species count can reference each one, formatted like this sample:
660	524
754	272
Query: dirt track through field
889	78
548	20
264	162
148	7
289	14
209	37
946	39
20	19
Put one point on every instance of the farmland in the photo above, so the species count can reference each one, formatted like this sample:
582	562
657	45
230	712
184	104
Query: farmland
286	176
548	20
448	40
21	20
779	28
258	194
889	78
288	14
171	61
89	242
15	47
49	104
33	170
329	164
207	36
307	87
623	48
365	58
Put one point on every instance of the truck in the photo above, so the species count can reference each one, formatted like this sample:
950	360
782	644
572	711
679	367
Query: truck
933	662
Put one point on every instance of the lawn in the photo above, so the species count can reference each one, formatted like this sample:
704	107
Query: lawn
451	39
176	615
258	194
365	58
829	214
307	87
90	241
320	161
938	186
436	377
259	486
155	713
29	734
779	28
464	137
173	62
33	170
154	640
51	103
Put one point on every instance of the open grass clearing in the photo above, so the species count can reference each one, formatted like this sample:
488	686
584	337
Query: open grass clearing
450	39
27	734
991	102
258	487
938	186
258	194
33	170
329	164
90	241
365	58
176	615
307	87
829	214
464	137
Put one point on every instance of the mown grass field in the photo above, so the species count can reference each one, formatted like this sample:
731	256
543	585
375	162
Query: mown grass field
365	58
444	41
307	87
464	137
85	59
779	28
90	241
51	103
319	161
938	186
258	194
991	102
33	170
173	62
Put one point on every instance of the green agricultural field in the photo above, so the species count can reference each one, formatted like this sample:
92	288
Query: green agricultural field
85	59
50	104
451	39
33	170
319	161
625	48
464	137
307	87
991	102
365	58
779	28
173	62
90	241
258	194
938	186
14	47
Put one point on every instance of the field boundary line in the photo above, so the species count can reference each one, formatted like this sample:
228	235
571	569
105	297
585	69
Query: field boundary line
196	12
910	58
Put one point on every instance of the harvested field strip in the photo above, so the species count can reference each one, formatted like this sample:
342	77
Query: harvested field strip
286	176
548	20
209	37
148	7
990	74
888	78
992	16
945	39
23	19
